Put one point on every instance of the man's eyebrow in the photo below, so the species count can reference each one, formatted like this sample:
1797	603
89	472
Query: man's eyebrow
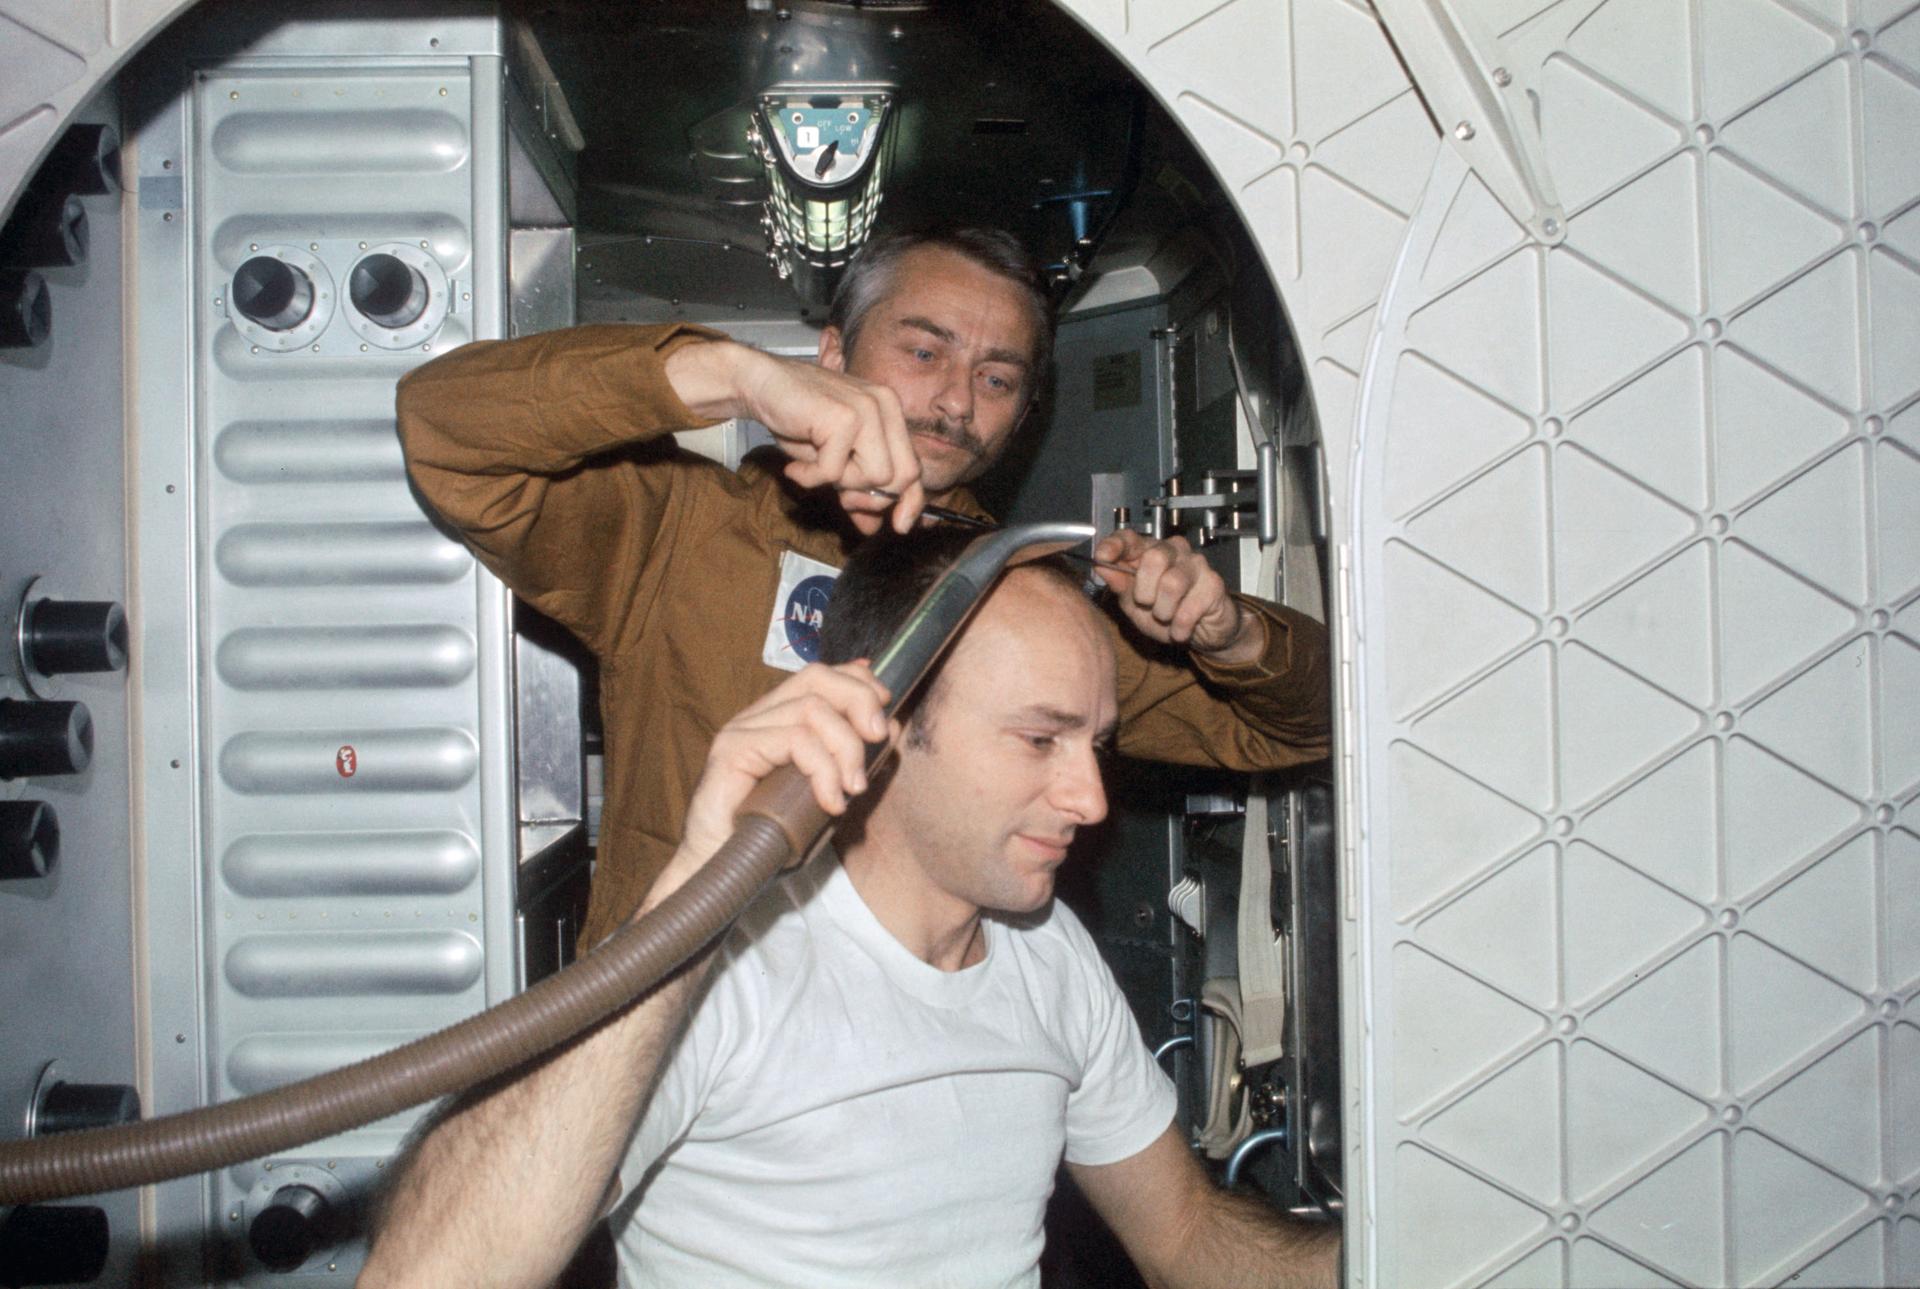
1059	719
1011	357
928	325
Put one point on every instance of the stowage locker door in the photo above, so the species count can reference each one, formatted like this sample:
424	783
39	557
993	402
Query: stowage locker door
1634	599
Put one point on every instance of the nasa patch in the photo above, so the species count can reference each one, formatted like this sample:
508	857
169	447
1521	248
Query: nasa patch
799	609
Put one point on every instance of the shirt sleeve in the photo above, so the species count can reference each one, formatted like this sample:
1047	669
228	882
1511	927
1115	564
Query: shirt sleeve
1267	714
1124	1100
497	433
700	1055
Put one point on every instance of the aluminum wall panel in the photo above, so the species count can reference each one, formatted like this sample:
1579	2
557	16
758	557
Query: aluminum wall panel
1635	591
330	860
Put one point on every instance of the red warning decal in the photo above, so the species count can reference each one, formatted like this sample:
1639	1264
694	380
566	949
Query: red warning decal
346	761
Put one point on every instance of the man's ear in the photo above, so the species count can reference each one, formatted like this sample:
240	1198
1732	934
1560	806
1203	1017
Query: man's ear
832	355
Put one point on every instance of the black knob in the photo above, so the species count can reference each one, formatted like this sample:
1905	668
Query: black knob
85	161
69	1107
48	230
289	1229
272	293
66	636
53	1244
29	839
26	309
44	738
388	290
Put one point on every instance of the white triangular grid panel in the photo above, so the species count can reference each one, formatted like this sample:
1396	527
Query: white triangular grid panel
1724	355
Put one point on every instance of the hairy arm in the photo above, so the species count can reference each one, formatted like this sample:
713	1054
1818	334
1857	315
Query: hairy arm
1184	1232
501	1189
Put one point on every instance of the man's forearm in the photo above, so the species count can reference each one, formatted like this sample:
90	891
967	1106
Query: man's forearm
1237	1242
502	1190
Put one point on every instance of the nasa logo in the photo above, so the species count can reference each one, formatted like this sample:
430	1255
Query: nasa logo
346	761
805	612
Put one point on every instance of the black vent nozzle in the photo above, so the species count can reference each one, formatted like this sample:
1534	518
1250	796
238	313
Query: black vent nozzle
66	637
44	738
53	1244
297	1222
29	840
26	309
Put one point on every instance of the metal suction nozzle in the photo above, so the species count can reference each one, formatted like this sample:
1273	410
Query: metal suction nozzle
945	608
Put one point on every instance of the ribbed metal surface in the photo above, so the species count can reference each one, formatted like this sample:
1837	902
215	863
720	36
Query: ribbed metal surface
345	657
339	554
318	865
309	452
333	964
347	760
343	638
268	1061
353	144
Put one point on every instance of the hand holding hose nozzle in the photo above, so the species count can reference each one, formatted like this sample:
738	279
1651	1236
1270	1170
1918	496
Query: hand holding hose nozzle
780	825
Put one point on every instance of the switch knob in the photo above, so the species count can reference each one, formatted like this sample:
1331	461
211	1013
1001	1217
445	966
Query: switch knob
26	309
85	161
69	1107
29	839
53	1244
44	738
59	637
290	1228
48	230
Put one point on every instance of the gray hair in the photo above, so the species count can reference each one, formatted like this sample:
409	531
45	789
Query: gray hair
870	276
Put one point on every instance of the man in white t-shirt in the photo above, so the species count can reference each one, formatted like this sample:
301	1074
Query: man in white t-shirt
874	1078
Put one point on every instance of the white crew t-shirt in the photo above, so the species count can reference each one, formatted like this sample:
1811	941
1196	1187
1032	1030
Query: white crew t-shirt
841	1113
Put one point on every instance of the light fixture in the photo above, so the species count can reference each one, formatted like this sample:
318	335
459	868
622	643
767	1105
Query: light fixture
826	153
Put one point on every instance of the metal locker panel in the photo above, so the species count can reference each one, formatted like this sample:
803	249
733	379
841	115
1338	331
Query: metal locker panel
1632	595
330	842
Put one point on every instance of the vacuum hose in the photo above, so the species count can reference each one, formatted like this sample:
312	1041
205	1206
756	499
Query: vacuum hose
779	825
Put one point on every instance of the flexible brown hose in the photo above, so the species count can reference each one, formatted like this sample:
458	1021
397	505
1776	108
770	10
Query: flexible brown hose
628	964
779	824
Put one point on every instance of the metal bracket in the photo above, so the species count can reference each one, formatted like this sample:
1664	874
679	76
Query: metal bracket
1235	503
1484	105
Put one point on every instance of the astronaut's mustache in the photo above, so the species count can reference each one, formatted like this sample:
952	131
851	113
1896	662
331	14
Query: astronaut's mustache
948	432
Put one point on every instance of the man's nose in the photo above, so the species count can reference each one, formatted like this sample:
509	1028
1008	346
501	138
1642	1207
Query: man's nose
954	399
1079	792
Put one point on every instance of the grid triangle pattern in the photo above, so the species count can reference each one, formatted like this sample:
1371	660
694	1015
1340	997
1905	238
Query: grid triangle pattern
1660	627
1800	136
1503	1127
1447	826
1655	429
1825	917
1504	930
1482	628
1674	1216
1493	530
1764	426
1649	609
1623	1118
1825	301
1829	497
1648	234
1815	721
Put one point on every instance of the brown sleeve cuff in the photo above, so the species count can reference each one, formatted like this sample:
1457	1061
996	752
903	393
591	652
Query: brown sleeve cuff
1283	627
